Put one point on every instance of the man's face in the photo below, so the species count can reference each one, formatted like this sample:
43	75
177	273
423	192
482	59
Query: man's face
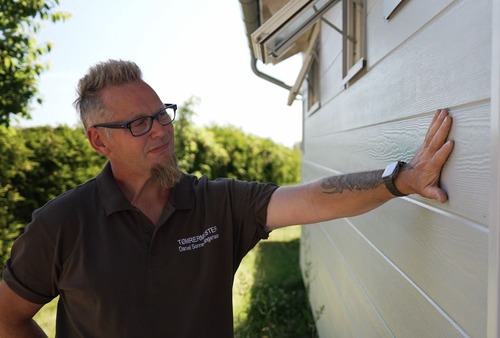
127	153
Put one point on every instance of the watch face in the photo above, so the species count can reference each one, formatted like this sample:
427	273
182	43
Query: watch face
390	169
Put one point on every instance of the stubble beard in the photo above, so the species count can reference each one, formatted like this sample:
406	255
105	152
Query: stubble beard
167	173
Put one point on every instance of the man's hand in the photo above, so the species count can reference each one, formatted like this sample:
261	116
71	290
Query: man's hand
422	174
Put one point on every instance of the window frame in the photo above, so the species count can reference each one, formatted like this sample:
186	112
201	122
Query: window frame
353	38
310	57
313	102
278	34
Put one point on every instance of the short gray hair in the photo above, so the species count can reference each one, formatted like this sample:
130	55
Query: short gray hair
102	75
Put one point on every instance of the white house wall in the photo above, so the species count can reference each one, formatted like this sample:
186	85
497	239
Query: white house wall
414	267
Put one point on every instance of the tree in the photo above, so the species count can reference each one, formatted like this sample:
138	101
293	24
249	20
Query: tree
196	149
226	151
36	165
62	159
20	54
255	159
14	163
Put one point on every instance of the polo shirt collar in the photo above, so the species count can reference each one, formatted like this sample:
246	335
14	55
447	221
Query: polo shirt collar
111	196
113	200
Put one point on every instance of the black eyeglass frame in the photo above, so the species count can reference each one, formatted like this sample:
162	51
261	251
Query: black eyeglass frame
128	124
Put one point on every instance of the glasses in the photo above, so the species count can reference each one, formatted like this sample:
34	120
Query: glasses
143	125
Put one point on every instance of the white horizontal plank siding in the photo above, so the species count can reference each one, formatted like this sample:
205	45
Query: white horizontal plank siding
414	267
446	256
365	319
384	36
372	147
406	310
434	249
330	313
433	69
346	310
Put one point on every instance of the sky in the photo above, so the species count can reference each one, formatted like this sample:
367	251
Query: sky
184	48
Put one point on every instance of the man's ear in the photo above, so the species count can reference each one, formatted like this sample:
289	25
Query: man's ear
98	141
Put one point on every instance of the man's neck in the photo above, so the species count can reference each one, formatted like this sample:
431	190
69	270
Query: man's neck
145	194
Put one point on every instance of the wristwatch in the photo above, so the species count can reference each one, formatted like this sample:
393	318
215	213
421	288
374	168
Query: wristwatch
390	173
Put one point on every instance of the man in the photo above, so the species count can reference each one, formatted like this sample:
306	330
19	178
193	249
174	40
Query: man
144	250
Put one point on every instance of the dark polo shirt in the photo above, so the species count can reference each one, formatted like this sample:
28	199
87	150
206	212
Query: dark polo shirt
120	276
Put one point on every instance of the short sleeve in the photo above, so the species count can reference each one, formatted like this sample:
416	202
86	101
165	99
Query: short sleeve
251	200
30	270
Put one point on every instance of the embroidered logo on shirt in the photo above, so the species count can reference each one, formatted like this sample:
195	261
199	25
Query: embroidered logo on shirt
198	241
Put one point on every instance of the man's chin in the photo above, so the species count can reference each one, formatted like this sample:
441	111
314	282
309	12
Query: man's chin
166	173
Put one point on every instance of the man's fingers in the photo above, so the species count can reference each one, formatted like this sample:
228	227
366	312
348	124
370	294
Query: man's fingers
441	135
439	160
435	126
444	152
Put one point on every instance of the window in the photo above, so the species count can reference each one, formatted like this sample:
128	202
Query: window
279	34
354	22
295	28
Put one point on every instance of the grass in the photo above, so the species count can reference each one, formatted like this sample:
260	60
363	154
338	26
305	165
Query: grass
46	318
269	297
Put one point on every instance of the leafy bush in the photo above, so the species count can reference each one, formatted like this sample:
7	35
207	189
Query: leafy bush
62	159
14	163
226	151
256	159
36	165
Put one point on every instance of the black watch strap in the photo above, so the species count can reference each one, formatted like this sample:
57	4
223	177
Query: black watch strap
390	173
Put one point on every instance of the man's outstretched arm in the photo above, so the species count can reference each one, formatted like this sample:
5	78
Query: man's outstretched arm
353	194
16	315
